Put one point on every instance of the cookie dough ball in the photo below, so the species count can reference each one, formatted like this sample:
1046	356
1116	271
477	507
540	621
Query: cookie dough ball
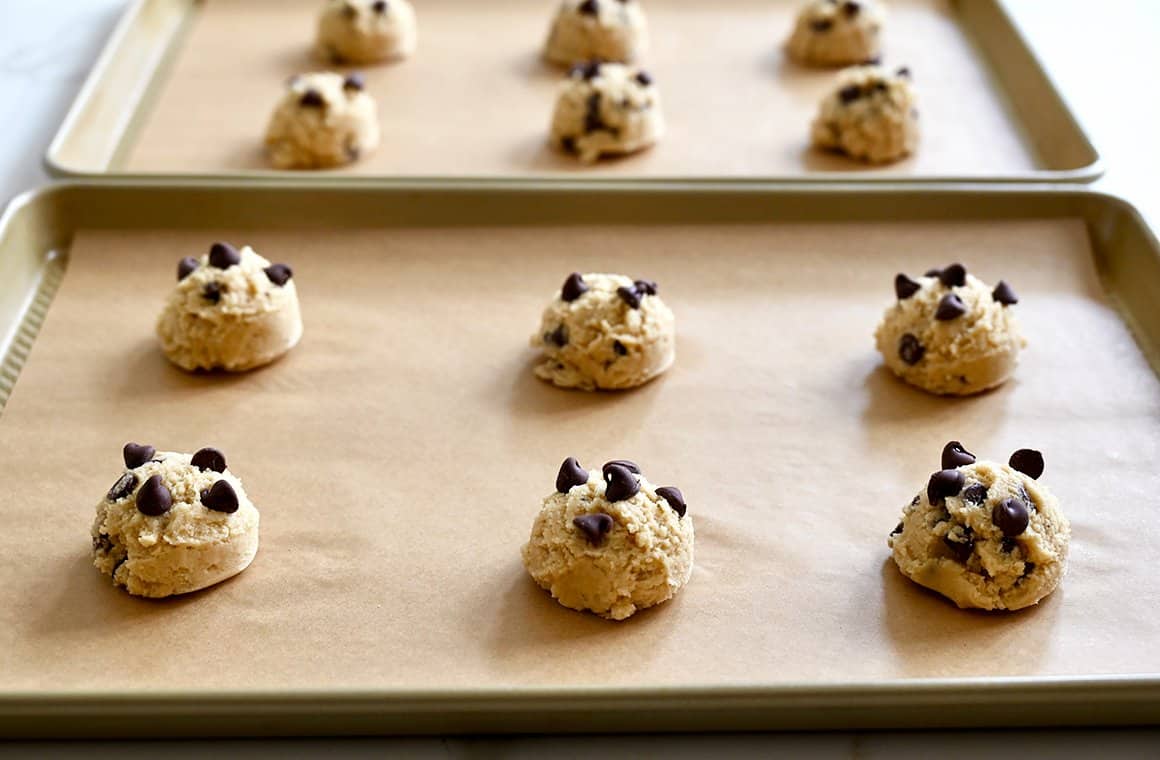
984	535
606	109
324	120
836	33
949	333
605	30
231	310
174	523
610	541
605	332
869	116
366	31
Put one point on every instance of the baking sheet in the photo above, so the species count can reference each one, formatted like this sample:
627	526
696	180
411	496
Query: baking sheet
476	100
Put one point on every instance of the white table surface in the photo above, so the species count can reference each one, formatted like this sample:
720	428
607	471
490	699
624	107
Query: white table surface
1104	54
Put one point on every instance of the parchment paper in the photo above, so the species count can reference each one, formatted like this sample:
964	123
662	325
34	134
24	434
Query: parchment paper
399	455
476	99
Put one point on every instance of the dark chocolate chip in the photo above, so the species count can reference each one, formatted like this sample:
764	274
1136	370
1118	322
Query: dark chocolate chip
872	61
279	274
621	482
186	267
975	493
675	498
349	10
311	99
1011	517
962	551
1029	462
352	150
593	121
559	336
646	287
153	498
904	287
1004	294
570	474
588	7
209	459
630	296
897	529
354	82
944	483
917	498
123	487
568	144
903	72
1028	569
619	348
880	87
379	6
136	455
851	8
954	455
220	497
950	307
224	256
212	292
954	276
1008	544
102	544
821	25
932	273
910	350
627	464
586	69
573	287
594	527
850	93
643	78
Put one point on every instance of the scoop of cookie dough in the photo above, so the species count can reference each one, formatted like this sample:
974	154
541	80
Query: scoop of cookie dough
606	109
870	116
836	33
366	31
606	30
610	541
605	332
323	120
231	310
949	333
174	523
984	535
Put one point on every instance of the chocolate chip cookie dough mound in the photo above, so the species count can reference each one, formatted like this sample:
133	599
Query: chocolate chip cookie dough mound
366	31
870	115
606	109
949	333
231	310
610	541
836	33
174	523
605	332
984	535
323	120
606	30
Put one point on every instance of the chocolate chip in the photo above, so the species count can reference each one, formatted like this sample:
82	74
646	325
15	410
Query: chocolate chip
186	267
962	551
917	498
643	78
975	494
646	287
352	151
573	287
1028	569
950	307
851	8
627	464
897	529
154	498
872	61
944	483
619	348
903	72
932	273
123	487
621	482
880	87
102	543
954	276
910	350
821	25
570	474
568	144
904	287
209	459
588	7
1027	461
279	274
224	256
349	10
1004	294
212	292
354	82
1011	517
675	498
559	336
630	296
594	527
136	455
379	6
850	93
954	455
1008	544
220	497
311	99
593	121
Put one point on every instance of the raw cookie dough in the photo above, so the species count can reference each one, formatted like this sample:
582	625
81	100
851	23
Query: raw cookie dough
984	535
174	523
324	120
231	310
836	33
605	30
606	109
606	332
609	541
366	31
949	333
870	116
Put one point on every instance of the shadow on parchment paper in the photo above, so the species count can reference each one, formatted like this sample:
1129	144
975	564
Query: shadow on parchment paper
528	396
146	371
892	400
530	64
251	154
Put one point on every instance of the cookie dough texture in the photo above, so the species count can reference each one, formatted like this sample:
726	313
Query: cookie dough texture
598	341
323	120
960	356
644	559
836	33
235	319
188	548
956	549
366	31
870	115
603	30
606	110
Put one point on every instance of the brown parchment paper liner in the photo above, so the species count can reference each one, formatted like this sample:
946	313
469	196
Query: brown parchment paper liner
399	454
476	99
